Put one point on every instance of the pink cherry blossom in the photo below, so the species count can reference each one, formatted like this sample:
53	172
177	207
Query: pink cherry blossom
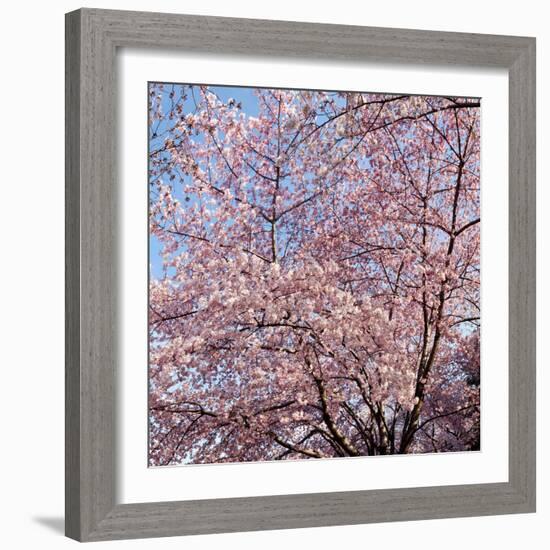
319	294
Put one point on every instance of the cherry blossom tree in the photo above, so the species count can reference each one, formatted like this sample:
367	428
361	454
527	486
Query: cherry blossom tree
319	289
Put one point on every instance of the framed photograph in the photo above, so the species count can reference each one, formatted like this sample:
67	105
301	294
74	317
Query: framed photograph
300	275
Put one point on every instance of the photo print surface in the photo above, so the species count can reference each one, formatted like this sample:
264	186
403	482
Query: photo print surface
314	274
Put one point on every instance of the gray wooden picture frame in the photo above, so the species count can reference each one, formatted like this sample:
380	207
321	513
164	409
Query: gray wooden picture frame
92	39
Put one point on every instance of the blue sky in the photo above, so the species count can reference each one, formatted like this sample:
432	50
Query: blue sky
249	103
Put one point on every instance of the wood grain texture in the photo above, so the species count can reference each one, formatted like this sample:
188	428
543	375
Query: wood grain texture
91	333
522	274
72	276
92	37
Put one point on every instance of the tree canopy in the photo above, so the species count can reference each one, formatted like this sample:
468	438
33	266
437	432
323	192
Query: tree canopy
319	294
